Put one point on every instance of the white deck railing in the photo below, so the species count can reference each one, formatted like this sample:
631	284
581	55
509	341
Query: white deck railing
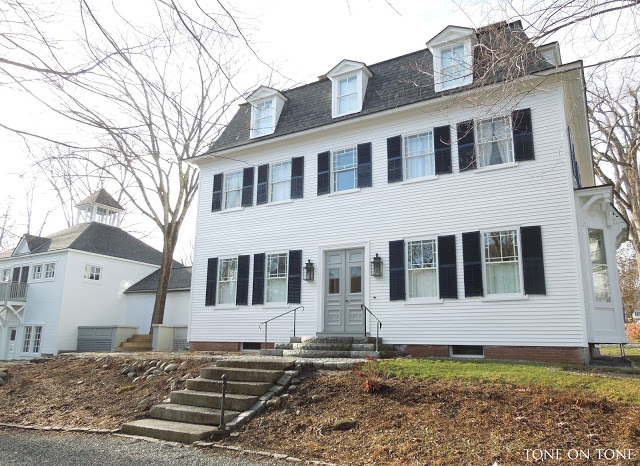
13	291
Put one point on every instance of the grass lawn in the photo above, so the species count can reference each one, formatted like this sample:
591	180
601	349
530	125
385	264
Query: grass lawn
612	386
632	353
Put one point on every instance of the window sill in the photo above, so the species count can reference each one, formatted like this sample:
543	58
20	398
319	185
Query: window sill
419	179
235	209
282	306
287	201
95	282
346	191
223	307
496	167
422	302
507	297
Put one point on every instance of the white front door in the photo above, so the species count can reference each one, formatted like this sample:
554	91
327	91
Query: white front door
344	291
11	342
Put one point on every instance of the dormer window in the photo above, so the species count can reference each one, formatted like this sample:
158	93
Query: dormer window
452	52
266	106
349	84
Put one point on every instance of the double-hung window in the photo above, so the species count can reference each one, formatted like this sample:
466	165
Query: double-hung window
281	181
453	67
5	275
49	270
227	283
422	269
276	277
92	272
345	169
233	190
419	155
599	267
263	118
37	272
502	262
495	141
32	339
347	95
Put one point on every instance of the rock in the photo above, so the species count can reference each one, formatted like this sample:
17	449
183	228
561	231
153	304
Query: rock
298	412
158	372
187	376
317	398
145	404
235	434
183	365
3	376
105	366
2	382
173	386
170	367
295	381
163	365
149	377
136	379
345	424
131	375
287	411
80	382
263	423
293	388
4	369
125	370
147	372
274	402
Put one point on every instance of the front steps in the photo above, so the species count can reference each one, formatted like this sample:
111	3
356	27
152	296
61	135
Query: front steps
331	347
137	343
194	414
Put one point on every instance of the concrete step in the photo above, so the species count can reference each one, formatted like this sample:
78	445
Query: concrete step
295	339
239	388
273	364
190	414
325	339
135	344
373	354
282	345
141	336
240	374
168	430
131	349
232	402
301	353
322	346
271	352
371	347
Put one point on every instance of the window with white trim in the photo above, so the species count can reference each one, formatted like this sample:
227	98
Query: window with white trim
280	182
276	277
32	339
599	266
344	168
227	282
232	189
495	141
453	67
347	97
92	272
419	155
422	269
502	262
263	118
5	275
37	272
50	270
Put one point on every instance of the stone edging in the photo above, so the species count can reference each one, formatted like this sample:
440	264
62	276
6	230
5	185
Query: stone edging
87	430
278	456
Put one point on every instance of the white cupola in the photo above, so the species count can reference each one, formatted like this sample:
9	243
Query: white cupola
100	207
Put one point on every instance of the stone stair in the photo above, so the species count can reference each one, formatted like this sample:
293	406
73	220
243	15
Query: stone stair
331	347
137	343
194	413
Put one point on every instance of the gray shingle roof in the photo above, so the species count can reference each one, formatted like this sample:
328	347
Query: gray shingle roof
98	238
180	280
101	197
396	82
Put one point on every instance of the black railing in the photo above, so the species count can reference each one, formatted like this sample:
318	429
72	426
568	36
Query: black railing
266	322
366	310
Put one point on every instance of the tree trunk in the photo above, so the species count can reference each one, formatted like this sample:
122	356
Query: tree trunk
169	244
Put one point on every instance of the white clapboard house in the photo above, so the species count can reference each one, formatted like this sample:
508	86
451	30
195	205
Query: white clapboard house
462	213
68	291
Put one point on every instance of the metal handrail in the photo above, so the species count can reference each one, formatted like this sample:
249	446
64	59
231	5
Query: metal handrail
378	325
266	322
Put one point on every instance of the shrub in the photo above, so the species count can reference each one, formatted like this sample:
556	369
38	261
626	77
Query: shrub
369	374
633	332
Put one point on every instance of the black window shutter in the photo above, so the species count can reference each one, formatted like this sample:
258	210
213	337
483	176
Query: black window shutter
247	187
447	276
323	173
522	135
216	200
295	277
532	261
396	270
242	286
466	146
394	159
212	282
364	165
472	260
262	195
442	147
297	177
258	279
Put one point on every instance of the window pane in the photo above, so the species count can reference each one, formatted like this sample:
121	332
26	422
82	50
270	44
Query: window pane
502	262
277	265
503	278
233	181
356	279
347	86
280	181
50	271
280	171
345	180
344	159
599	267
36	339
277	290
494	141
27	340
422	283
227	293
418	151
334	281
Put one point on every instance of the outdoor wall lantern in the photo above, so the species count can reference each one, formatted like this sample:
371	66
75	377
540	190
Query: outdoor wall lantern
376	266
308	271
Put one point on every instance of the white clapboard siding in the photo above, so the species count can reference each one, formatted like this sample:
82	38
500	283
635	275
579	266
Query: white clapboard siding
531	193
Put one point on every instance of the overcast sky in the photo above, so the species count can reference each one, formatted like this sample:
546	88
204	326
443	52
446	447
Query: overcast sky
303	39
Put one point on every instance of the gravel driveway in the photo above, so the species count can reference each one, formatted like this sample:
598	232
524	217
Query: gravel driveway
54	448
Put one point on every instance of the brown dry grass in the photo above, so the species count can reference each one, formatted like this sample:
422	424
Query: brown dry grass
439	422
81	393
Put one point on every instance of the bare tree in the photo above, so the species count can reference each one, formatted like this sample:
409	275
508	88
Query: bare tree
629	280
7	225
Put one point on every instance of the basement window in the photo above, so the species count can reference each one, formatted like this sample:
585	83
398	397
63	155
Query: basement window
250	347
466	351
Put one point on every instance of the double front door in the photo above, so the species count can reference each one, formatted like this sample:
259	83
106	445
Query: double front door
344	291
